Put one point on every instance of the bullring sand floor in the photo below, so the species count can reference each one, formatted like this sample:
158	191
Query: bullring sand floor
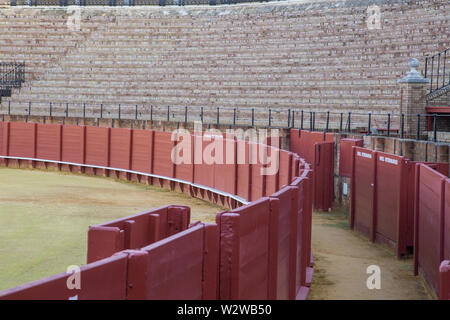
44	217
341	258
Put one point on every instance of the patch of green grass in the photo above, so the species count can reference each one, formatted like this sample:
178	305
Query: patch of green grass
44	217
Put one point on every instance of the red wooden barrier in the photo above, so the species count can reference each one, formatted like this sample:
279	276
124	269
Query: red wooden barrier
303	271
143	156
243	170
48	141
135	231
363	191
102	280
120	150
97	146
323	176
248	251
302	142
22	138
430	244
285	175
159	271
182	266
444	280
204	165
272	177
288	225
379	197
73	147
184	168
225	173
346	155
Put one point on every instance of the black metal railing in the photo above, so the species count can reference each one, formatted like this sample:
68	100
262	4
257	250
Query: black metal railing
437	70
127	2
417	126
12	74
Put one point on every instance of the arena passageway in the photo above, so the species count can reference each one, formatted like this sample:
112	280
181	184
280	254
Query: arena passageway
341	258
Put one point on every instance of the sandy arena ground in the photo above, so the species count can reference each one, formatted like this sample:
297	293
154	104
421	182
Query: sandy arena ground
341	259
44	217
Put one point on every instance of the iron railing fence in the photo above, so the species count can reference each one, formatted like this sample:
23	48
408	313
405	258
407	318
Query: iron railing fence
420	126
437	69
127	2
12	74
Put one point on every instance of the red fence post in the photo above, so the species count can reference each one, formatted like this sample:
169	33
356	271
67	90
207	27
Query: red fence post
416	220
5	143
352	191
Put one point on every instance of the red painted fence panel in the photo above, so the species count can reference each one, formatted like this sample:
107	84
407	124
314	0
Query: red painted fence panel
97	146
225	173
302	142
243	170
103	280
48	141
285	176
120	148
346	155
182	266
287	242
323	176
136	231
206	149
272	167
22	139
362	191
248	251
73	143
429	217
143	157
390	201
185	157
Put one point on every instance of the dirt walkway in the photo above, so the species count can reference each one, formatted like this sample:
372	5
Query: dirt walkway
341	260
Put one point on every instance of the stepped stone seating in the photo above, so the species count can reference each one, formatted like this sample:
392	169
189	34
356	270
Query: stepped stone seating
280	55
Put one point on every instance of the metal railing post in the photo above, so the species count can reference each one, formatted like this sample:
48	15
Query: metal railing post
168	113
289	118
418	127
389	125
368	124
270	117
434	127
301	120
402	126
253	117
234	116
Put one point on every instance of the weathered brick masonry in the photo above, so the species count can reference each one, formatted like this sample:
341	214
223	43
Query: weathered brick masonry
318	55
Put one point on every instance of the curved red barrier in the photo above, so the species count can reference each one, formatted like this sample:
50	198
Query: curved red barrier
258	251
